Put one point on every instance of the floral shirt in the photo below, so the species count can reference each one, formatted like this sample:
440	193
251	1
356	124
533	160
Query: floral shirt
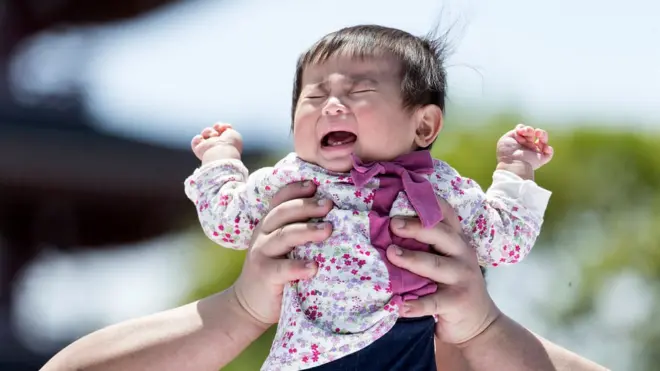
354	298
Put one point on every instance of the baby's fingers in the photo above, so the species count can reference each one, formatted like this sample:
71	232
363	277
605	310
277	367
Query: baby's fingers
209	132
196	140
525	131
221	127
541	136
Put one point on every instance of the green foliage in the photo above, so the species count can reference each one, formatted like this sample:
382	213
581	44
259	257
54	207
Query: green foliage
606	191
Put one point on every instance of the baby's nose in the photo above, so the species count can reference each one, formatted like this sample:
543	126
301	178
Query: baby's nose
334	107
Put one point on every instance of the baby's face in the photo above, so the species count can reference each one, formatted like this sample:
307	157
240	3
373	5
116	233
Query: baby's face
350	106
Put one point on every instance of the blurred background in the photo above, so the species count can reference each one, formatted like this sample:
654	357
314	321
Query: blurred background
98	102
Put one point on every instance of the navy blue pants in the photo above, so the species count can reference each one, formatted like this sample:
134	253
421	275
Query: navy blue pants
408	346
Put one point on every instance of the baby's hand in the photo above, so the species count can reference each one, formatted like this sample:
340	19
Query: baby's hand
524	143
217	143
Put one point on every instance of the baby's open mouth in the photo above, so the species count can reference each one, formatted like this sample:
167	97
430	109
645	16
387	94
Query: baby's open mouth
338	138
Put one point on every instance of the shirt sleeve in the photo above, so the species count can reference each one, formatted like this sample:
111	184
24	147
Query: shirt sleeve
225	199
230	204
503	223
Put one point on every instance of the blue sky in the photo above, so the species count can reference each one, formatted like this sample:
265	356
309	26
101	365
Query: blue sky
165	76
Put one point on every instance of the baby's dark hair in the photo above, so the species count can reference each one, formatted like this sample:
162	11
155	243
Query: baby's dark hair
422	60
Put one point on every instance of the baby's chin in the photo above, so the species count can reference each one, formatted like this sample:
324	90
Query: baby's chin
338	168
338	165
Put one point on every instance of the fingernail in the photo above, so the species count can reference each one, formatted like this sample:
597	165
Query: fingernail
306	183
310	265
321	225
397	250
322	202
398	223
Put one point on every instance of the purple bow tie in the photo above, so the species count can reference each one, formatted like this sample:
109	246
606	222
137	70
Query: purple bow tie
411	168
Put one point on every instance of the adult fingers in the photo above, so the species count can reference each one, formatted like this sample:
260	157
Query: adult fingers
441	269
443	237
281	271
282	240
428	305
293	191
293	211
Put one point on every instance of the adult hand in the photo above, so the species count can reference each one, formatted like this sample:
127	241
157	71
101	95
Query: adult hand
462	304
186	338
266	270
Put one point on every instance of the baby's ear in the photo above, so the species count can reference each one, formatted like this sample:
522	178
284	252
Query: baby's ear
429	123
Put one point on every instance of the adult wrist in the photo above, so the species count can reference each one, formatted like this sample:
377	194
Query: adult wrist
242	313
488	333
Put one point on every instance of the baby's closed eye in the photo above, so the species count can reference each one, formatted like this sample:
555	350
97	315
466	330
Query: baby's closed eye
362	91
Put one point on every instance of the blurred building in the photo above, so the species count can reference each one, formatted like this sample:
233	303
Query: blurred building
64	183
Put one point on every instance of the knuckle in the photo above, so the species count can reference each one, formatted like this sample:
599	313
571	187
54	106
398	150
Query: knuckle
279	268
435	305
280	234
437	262
444	227
463	243
467	272
284	196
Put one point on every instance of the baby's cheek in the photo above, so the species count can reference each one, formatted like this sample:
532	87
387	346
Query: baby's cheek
304	143
385	146
306	152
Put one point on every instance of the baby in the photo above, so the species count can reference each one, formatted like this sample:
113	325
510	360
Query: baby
368	104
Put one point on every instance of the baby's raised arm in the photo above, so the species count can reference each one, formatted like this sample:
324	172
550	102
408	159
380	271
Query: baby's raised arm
501	224
221	188
227	201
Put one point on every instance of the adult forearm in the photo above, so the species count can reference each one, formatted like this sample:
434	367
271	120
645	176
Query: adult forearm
506	345
204	335
565	360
